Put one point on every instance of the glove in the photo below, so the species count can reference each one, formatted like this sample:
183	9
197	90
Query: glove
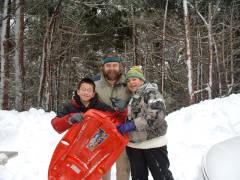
76	118
126	127
118	104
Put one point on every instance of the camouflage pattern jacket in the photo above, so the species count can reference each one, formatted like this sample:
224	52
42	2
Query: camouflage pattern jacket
147	109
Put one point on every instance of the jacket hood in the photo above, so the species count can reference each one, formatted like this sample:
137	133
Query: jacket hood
147	87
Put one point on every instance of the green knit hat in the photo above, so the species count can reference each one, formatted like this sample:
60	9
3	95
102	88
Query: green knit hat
135	72
111	56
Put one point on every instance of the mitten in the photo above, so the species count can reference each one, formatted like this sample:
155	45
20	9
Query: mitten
76	118
126	127
118	104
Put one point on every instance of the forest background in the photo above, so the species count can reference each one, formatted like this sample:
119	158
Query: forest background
190	48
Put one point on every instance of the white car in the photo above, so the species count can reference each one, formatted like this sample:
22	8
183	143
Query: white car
222	161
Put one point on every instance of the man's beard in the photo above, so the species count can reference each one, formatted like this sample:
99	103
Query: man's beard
112	75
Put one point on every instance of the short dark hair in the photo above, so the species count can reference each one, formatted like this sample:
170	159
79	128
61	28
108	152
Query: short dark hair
88	81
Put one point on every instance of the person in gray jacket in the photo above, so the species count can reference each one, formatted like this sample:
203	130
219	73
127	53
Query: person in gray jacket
146	126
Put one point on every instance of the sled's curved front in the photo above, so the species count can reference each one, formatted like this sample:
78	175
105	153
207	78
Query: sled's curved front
88	149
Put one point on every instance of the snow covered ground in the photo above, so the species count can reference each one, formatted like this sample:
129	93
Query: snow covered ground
192	131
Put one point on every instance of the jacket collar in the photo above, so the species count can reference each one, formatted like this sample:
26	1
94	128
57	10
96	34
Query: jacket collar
75	101
145	88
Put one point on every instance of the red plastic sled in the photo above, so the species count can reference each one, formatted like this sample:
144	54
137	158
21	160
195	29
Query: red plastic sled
88	149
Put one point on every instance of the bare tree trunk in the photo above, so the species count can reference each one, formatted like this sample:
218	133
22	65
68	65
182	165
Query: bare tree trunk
164	48
210	41
48	94
19	55
199	66
5	55
44	77
223	58
188	52
230	85
134	38
218	68
68	78
43	71
145	58
57	75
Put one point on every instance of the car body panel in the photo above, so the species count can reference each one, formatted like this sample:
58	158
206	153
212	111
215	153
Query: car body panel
222	161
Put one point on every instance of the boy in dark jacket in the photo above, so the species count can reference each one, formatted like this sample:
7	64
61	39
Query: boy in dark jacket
84	98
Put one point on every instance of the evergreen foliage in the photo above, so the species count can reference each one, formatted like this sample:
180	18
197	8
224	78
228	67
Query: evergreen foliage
84	29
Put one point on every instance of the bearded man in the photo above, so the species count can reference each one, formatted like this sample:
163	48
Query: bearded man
111	84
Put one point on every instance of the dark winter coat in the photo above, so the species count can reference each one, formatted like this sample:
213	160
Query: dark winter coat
60	122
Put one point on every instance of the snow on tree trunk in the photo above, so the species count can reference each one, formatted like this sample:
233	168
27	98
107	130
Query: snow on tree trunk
19	55
199	65
189	52
164	48
210	41
5	55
